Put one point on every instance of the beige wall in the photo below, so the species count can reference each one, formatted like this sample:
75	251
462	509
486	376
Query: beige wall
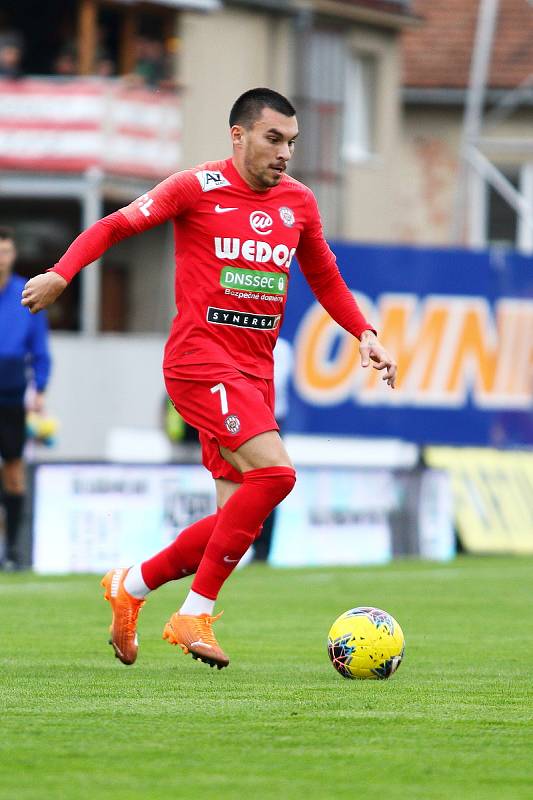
226	52
425	175
369	202
223	54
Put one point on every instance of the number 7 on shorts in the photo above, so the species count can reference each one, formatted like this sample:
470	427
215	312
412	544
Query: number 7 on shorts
223	396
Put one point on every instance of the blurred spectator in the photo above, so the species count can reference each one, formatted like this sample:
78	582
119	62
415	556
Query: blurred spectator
65	64
105	68
24	357
11	51
151	65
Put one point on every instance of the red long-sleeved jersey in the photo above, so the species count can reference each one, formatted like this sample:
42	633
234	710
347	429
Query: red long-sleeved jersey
234	247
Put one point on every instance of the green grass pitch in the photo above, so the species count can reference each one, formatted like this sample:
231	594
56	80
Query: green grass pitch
454	722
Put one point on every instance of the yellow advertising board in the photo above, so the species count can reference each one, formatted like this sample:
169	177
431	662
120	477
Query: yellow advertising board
493	496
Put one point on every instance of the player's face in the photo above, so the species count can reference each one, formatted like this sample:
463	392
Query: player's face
7	258
265	149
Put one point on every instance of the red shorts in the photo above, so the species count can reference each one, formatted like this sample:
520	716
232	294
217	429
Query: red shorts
227	407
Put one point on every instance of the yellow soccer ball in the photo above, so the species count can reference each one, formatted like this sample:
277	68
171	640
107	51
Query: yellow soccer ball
366	642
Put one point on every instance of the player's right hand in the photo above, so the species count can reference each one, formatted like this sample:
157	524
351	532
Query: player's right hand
372	350
42	290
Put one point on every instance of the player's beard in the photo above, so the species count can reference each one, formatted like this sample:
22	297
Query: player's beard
263	177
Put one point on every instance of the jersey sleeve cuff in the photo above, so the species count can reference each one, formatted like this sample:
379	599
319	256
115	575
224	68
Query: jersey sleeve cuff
367	328
60	272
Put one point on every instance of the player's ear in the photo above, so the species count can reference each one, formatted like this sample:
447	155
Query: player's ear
237	135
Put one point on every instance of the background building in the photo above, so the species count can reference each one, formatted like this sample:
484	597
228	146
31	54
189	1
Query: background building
119	95
437	58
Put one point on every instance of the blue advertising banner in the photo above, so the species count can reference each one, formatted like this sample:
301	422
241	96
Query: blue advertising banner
460	325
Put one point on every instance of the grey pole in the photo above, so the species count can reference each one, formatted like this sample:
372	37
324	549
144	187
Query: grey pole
479	67
92	209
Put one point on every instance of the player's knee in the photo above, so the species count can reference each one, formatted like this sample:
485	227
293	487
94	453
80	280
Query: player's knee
277	481
287	481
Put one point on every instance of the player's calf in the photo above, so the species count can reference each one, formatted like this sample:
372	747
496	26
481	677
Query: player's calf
238	523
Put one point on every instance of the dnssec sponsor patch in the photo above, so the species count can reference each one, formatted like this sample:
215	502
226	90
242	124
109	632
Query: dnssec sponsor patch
267	282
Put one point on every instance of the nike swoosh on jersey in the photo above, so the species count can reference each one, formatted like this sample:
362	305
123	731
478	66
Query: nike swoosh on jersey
221	210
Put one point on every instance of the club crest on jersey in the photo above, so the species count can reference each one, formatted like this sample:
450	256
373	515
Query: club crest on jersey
233	424
211	179
287	216
261	222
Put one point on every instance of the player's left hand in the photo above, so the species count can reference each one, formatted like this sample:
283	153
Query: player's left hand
371	350
42	290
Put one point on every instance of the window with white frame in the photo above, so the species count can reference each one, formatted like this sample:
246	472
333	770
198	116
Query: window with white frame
502	220
492	219
360	106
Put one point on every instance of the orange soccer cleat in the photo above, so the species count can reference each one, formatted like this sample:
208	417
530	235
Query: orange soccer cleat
194	635
125	609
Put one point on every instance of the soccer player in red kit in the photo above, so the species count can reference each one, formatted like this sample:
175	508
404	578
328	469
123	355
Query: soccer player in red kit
238	224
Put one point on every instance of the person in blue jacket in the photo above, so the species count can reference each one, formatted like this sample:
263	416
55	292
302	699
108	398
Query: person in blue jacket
24	357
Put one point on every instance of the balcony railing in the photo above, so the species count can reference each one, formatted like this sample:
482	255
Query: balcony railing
71	125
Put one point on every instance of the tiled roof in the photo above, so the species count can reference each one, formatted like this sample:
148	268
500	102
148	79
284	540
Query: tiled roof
437	53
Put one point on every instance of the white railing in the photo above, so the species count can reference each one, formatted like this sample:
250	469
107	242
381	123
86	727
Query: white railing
70	125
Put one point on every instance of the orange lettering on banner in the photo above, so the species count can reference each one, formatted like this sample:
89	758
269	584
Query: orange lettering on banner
473	349
520	373
414	342
315	341
447	348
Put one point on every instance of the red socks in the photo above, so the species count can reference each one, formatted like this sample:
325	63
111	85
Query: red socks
180	558
223	537
237	525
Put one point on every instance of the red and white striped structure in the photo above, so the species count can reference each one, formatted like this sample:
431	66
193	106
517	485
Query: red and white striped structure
71	125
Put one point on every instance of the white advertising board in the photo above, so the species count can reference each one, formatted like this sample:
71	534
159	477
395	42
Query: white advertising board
436	533
364	516
90	517
336	516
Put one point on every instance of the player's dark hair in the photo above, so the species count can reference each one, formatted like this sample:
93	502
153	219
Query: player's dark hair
248	107
6	234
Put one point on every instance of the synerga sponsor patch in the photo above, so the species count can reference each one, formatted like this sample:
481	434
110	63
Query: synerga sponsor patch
243	319
253	280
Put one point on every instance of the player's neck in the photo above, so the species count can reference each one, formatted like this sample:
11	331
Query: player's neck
247	178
